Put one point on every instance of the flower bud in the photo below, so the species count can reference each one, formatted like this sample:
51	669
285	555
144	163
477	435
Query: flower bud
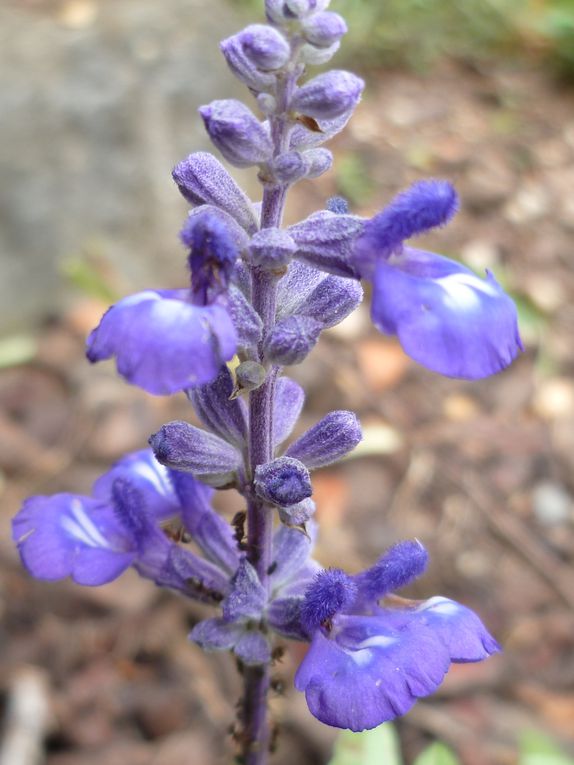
237	133
281	11
202	179
332	300
181	446
329	440
271	249
311	54
283	481
319	161
249	376
289	167
297	515
242	66
324	29
267	103
328	95
218	412
291	339
265	47
325	240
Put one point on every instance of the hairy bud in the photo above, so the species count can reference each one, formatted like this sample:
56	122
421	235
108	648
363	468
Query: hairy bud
237	133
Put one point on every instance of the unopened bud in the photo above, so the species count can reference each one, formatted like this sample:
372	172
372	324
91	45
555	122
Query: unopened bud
328	95
265	47
283	481
324	29
237	133
271	249
249	376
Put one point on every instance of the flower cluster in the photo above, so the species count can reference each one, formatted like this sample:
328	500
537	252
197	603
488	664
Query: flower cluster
261	295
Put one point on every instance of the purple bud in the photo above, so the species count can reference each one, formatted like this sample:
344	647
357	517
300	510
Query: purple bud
265	47
324	29
247	596
267	103
325	241
181	446
311	54
332	300
284	616
289	399
225	417
330	592
271	249
246	320
291	340
237	232
423	206
237	133
338	205
283	481
328	95
401	564
291	552
329	440
202	179
253	648
289	167
299	514
215	634
304	138
243	68
319	161
212	255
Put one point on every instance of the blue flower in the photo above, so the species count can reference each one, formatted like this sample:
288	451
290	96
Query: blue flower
446	317
369	663
93	539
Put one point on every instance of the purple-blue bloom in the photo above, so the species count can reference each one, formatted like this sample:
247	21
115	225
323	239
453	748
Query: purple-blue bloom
446	317
162	342
369	663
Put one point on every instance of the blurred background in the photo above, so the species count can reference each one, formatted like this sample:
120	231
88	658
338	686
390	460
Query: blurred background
98	100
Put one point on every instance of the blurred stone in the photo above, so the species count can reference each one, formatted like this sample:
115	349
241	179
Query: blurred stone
98	102
460	408
531	202
554	398
552	504
546	291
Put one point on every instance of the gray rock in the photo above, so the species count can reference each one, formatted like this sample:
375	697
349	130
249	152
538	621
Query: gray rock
97	105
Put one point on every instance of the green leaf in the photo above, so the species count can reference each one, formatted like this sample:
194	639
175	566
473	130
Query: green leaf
437	754
371	747
538	749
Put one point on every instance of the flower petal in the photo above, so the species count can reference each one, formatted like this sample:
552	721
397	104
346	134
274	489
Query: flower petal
460	629
162	342
70	535
453	323
368	672
142	470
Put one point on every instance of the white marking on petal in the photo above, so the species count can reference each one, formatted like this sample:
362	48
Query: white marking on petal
377	641
462	289
440	605
139	297
80	526
156	475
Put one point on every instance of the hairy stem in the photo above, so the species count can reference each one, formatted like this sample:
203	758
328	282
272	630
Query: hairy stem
261	403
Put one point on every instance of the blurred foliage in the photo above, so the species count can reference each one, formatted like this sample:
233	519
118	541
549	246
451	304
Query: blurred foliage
414	33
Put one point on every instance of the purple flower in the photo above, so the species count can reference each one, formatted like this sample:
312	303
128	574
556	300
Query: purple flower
163	342
446	318
368	664
94	539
